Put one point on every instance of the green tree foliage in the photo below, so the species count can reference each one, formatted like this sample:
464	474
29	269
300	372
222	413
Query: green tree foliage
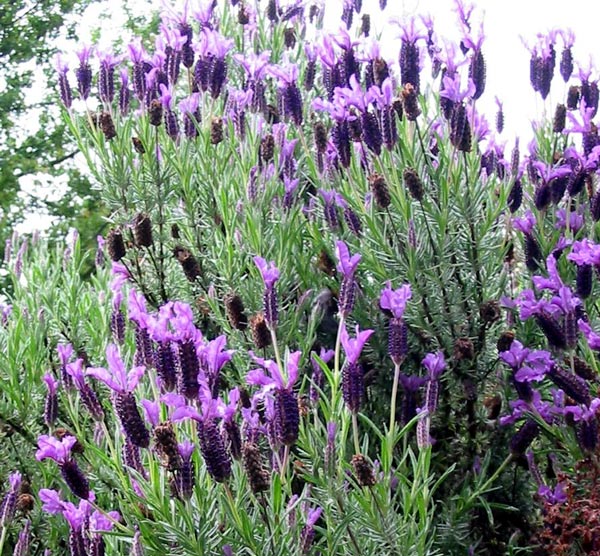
32	138
34	144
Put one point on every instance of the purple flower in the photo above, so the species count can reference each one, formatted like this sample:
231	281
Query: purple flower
51	383
528	365
583	412
270	274
452	89
123	383
60	451
51	502
51	403
100	522
274	378
255	65
554	282
116	377
525	224
106	80
354	346
557	495
8	505
435	364
346	264
268	271
593	339
395	300
585	252
84	71
213	355
152	411
212	444
307	534
63	82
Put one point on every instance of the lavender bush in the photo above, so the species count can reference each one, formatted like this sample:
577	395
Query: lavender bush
330	316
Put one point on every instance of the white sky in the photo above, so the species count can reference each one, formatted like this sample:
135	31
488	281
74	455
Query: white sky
506	22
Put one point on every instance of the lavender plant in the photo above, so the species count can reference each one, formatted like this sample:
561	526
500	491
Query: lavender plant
293	339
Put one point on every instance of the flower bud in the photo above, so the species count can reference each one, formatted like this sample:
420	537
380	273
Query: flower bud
363	471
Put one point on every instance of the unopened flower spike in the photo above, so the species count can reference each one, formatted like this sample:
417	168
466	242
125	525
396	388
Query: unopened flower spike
346	266
270	274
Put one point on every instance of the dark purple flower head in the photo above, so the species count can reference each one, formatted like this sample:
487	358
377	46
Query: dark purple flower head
116	377
106	85
63	82
268	271
435	364
354	346
346	264
395	300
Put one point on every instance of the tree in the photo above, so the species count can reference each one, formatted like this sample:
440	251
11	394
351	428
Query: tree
44	152
27	43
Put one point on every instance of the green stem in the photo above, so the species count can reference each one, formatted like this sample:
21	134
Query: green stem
276	350
394	396
336	357
355	433
284	463
3	538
